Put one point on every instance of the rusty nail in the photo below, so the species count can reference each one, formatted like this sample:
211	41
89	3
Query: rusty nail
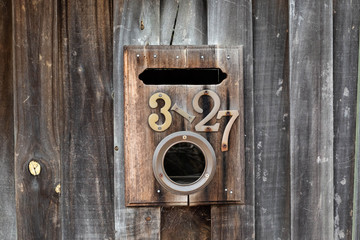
58	189
34	168
148	219
206	92
142	25
227	113
116	148
208	129
160	176
224	145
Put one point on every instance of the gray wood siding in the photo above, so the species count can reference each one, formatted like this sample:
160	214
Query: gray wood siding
61	104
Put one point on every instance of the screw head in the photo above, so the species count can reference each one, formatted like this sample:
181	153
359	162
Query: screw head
177	57
160	95
228	57
202	57
155	55
184	137
159	128
58	188
158	191
116	148
34	168
207	175
225	189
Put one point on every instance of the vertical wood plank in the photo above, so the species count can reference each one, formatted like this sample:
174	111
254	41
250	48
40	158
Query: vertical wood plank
186	223
346	42
271	95
311	119
138	23
87	149
356	204
185	23
37	110
7	178
230	23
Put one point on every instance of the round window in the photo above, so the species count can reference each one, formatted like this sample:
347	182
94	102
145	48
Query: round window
184	162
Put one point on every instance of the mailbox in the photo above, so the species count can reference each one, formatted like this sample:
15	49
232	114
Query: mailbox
183	125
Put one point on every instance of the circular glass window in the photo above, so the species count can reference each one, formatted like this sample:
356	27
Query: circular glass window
184	162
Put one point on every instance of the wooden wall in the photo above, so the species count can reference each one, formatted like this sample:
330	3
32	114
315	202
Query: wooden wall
61	73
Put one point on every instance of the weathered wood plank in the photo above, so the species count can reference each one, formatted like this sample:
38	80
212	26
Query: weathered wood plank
183	22
356	206
7	178
271	96
197	35
87	149
186	223
135	22
229	24
37	122
311	119
346	42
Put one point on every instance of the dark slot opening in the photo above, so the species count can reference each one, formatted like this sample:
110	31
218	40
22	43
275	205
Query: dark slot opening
182	76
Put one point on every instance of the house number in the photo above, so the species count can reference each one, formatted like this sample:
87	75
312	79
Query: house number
201	126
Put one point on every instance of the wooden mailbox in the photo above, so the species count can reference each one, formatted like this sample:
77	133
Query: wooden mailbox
184	125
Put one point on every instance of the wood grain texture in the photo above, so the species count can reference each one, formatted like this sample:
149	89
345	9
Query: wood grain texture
7	178
271	96
229	24
170	10
37	122
311	119
141	186
186	223
87	148
183	22
346	42
128	16
356	204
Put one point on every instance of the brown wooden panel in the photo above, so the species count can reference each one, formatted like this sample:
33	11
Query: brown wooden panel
186	223
87	149
128	16
229	24
7	178
38	129
346	52
271	95
138	164
311	119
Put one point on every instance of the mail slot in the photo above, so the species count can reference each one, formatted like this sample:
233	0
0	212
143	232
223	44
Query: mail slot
183	125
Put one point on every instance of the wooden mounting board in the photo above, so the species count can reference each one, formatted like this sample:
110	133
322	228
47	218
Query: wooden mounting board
142	189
